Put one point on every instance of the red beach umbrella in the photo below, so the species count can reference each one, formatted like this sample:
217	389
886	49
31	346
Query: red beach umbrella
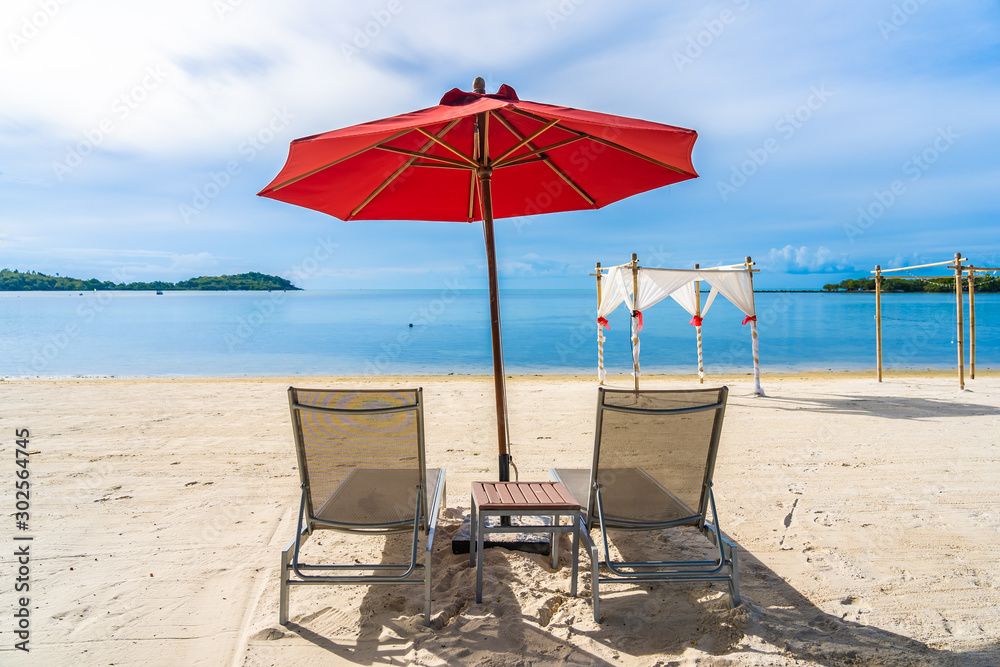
477	156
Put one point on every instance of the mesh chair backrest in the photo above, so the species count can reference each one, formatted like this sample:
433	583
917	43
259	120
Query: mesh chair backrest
333	444
648	442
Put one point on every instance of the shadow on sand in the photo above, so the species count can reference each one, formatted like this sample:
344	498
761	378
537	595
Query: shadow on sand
885	407
656	621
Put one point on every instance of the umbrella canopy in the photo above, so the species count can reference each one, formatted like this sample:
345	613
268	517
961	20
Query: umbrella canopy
477	156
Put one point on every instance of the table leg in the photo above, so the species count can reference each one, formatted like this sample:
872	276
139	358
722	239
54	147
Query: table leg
554	542
576	553
479	557
472	534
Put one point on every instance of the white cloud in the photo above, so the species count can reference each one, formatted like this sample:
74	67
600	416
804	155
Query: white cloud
805	260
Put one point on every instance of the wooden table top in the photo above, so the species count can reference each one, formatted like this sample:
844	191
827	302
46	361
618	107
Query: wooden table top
528	496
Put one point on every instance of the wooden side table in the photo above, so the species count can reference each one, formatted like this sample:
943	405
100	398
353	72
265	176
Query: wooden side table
519	499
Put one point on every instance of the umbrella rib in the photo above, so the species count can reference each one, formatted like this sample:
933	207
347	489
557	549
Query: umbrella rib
433	165
559	172
525	140
403	151
517	158
403	167
331	164
610	144
454	150
637	154
472	193
571	183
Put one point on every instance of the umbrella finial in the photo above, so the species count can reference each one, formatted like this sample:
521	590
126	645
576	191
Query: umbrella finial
479	85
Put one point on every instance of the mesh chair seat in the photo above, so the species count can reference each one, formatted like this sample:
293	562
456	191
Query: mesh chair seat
630	497
654	458
362	468
375	497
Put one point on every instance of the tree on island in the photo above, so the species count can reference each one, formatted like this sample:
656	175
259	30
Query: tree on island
984	282
14	280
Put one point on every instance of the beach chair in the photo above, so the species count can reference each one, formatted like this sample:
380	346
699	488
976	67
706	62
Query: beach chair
654	455
362	468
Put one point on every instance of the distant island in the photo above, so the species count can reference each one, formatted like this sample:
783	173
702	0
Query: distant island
17	281
983	283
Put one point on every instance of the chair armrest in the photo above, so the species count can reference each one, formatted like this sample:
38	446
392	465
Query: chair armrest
435	509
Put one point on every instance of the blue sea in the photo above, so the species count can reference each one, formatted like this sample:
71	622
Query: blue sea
183	334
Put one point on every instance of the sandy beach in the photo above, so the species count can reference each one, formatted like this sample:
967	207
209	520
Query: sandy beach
866	514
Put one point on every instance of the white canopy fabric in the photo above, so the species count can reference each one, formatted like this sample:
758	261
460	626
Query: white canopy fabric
685	296
654	285
689	298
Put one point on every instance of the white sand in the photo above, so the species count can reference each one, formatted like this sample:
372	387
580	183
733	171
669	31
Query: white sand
867	514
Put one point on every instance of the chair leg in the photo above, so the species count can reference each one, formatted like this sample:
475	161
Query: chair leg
595	566
734	576
286	557
427	588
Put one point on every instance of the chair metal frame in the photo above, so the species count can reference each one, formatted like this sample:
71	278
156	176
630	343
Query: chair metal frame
724	568
424	518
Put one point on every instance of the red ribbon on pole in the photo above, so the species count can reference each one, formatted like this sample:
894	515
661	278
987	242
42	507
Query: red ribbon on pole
695	321
603	321
637	314
749	318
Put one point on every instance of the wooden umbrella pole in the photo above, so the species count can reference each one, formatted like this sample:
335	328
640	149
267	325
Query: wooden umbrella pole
484	173
697	313
961	323
635	319
972	323
600	330
878	321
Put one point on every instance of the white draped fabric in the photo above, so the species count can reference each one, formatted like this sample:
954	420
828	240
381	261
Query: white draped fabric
657	284
688	297
612	294
685	296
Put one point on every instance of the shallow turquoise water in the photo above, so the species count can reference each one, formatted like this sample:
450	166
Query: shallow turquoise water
368	332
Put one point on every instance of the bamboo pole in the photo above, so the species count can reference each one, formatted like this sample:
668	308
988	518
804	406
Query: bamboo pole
600	331
697	313
961	323
972	323
635	320
878	321
922	266
757	391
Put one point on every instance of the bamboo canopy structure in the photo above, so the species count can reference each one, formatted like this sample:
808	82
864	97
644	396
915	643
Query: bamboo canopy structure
961	271
640	287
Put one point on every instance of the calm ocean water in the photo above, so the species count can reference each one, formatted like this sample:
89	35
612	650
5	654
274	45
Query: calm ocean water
368	332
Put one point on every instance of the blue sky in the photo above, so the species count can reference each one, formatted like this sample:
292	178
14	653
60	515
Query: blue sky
833	136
